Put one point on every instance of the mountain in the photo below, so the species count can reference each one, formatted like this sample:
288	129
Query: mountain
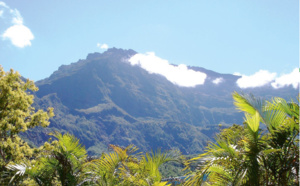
105	100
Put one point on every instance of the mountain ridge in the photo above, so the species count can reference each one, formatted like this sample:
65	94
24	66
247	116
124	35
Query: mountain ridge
104	99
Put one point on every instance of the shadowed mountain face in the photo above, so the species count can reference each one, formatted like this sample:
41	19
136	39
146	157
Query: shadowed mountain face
105	100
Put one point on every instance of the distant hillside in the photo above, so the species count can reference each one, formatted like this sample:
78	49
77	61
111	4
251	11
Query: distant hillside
105	100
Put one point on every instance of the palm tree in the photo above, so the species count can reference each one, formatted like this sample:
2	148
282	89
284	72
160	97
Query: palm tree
280	157
220	164
62	162
282	120
126	167
147	173
259	157
106	171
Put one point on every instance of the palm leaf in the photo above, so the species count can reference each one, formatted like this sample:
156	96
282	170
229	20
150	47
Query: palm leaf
20	170
253	121
248	103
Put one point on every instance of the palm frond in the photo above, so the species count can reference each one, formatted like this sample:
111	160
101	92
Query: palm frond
248	103
20	170
70	144
252	121
222	174
124	153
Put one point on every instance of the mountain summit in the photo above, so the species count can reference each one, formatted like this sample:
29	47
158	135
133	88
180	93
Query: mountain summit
105	99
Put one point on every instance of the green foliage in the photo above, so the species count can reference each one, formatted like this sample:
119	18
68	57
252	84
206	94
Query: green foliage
17	115
126	167
67	159
172	169
60	162
249	155
65	162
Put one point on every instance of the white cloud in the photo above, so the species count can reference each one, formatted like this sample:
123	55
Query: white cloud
292	78
260	78
218	80
102	46
19	35
179	75
264	77
16	32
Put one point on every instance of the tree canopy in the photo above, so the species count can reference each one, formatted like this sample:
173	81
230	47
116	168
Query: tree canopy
17	115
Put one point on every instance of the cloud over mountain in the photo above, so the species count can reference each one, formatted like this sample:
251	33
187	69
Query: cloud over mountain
218	80
292	78
17	32
179	75
260	78
264	77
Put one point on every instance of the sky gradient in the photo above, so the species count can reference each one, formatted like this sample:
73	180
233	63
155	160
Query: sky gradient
242	37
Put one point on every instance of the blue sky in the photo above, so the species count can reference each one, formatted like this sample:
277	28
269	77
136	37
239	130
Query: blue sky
231	36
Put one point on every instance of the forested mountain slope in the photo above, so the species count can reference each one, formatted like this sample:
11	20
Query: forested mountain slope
105	100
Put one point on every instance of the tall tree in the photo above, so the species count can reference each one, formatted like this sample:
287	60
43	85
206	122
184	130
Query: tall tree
17	115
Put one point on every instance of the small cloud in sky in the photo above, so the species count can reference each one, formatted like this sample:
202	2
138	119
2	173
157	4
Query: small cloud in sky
19	35
218	80
179	75
102	46
292	78
264	77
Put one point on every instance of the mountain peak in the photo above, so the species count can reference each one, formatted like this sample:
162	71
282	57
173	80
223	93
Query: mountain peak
118	52
94	55
112	52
